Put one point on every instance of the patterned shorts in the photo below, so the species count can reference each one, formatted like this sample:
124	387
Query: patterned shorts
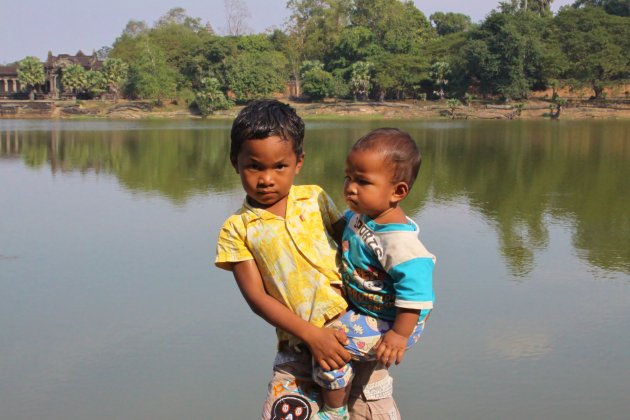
363	332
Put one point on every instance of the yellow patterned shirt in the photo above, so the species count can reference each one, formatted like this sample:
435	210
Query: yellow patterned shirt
296	255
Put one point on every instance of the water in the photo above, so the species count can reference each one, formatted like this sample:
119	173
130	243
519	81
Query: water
110	307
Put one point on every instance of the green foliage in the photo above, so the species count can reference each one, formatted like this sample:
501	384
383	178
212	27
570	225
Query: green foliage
397	75
253	75
30	72
317	83
96	82
360	79
210	98
514	50
398	26
115	72
177	17
75	78
315	25
613	7
440	74
449	23
596	44
505	54
151	77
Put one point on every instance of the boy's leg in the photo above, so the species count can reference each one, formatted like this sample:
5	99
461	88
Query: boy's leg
291	389
371	395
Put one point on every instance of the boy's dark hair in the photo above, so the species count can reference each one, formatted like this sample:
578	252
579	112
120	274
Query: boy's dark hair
264	118
397	148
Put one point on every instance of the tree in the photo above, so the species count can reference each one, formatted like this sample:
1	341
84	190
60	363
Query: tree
115	72
539	7
96	83
398	26
449	23
237	14
103	52
397	75
440	73
504	55
317	82
178	16
596	44
315	25
30	73
613	7
74	77
210	98
151	77
360	80
255	75
135	28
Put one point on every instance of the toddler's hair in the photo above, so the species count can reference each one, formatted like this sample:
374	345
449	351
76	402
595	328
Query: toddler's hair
397	148
264	118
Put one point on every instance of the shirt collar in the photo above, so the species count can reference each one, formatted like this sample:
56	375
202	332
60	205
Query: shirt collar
295	194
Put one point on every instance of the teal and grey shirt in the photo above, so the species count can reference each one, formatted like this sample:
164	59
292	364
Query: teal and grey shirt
385	267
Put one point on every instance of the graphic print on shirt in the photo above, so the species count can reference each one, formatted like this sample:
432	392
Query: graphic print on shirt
371	279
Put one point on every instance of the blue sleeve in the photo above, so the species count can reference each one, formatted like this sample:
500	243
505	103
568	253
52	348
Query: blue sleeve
413	283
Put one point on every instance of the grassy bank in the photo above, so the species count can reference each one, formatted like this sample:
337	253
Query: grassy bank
478	110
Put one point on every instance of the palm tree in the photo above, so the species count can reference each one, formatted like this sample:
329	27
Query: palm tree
31	73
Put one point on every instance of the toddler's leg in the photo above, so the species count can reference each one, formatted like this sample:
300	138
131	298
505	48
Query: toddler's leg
365	331
335	391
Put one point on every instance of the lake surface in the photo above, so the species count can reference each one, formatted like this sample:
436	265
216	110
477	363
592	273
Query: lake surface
111	308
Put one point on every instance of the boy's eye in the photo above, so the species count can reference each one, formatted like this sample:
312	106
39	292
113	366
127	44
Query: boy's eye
362	182
281	166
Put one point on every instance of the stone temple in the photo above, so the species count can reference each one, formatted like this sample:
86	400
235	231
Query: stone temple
11	88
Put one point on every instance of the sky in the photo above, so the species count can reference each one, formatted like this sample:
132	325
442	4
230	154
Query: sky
33	27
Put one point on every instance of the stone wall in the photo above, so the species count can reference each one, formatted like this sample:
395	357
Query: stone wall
26	109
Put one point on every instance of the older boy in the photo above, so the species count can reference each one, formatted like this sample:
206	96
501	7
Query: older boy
280	248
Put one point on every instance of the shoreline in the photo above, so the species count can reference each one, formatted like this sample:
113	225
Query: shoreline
400	110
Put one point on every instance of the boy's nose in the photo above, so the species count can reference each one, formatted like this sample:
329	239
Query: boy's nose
265	179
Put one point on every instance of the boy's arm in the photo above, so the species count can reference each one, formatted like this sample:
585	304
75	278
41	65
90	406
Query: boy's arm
338	228
391	348
326	345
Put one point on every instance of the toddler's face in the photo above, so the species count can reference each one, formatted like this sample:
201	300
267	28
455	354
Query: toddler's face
267	168
368	187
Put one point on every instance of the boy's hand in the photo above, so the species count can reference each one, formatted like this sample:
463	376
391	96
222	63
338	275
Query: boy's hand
326	346
391	348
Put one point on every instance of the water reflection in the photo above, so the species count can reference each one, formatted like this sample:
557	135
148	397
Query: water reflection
520	176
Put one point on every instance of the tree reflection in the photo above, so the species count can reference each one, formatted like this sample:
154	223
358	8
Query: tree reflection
517	175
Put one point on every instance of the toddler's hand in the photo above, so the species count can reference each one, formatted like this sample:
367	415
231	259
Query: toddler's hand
391	348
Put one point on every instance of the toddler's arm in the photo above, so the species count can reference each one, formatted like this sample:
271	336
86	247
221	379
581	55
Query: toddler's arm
391	348
326	345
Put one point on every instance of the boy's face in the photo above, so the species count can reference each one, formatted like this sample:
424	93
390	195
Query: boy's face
267	168
368	187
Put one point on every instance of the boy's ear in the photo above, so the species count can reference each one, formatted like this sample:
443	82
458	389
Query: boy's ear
234	164
300	162
401	189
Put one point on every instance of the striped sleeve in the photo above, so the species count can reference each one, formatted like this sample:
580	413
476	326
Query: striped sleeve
410	265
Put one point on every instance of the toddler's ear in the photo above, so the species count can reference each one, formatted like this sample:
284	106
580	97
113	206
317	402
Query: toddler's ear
234	164
401	189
